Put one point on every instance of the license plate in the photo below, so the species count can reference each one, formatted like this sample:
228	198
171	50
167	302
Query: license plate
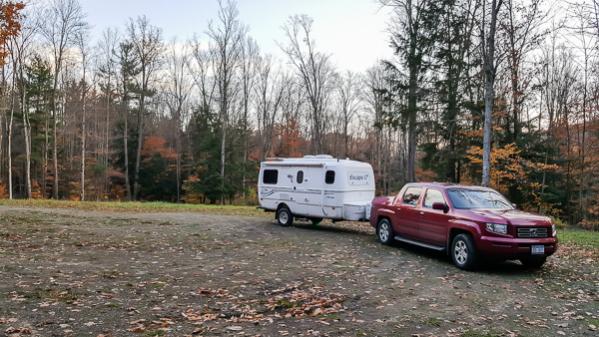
538	250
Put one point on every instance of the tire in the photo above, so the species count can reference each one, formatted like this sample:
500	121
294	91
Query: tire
463	252
315	221
384	232
534	262
284	217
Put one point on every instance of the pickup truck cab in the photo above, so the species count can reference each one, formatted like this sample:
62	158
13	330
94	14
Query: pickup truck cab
467	222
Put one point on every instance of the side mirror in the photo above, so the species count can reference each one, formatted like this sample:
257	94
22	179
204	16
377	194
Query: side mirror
515	206
441	206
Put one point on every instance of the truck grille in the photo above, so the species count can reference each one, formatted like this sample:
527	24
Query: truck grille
533	232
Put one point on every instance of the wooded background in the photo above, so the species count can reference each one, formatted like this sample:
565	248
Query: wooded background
499	92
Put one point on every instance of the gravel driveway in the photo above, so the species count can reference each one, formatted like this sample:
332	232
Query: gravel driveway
79	273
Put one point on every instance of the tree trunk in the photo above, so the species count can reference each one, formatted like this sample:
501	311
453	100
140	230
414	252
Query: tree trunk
489	69
27	136
55	140
487	131
178	150
412	112
9	142
223	157
83	139
107	137
140	138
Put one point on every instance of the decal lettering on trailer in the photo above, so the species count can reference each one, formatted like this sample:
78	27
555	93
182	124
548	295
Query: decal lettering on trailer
358	178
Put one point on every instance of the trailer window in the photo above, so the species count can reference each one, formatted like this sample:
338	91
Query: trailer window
270	177
330	177
300	177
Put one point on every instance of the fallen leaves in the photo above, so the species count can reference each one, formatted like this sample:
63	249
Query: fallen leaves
20	330
295	301
142	325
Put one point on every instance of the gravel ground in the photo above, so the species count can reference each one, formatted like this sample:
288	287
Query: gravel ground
80	273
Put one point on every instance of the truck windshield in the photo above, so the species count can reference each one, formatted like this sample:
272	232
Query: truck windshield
463	198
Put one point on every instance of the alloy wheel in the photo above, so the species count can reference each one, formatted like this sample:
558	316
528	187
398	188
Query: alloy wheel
460	252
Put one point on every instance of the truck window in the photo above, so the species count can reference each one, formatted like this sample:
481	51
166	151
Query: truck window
300	177
270	177
411	196
433	196
329	177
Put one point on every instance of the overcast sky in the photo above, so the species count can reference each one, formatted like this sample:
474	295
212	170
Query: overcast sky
352	31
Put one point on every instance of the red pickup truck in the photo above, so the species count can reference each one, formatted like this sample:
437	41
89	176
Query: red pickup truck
467	222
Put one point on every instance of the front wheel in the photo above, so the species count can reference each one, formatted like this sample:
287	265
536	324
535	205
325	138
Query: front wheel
384	232
284	217
463	252
534	262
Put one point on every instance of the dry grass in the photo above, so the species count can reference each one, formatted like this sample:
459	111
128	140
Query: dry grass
137	207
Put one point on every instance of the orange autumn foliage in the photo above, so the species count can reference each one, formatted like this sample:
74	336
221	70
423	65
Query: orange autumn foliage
291	140
3	191
509	169
157	145
10	25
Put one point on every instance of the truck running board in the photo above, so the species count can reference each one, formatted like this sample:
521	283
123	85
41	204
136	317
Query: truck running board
416	243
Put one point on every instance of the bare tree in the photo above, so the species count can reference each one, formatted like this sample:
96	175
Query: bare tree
128	70
349	102
64	19
314	70
107	69
10	119
523	29
199	66
249	57
227	35
147	47
20	49
490	69
177	95
270	90
81	37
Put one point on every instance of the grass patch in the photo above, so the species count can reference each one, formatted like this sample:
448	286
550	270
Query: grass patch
137	207
582	238
432	321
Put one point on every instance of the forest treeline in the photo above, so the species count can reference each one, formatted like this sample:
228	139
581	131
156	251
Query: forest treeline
499	92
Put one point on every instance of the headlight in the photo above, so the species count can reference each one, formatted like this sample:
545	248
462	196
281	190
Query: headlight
497	228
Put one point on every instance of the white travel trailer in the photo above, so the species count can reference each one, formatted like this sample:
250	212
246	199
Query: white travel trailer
316	188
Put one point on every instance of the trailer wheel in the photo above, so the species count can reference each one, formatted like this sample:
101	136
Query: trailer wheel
284	217
316	221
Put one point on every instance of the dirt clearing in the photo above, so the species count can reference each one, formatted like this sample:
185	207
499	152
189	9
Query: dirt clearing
97	273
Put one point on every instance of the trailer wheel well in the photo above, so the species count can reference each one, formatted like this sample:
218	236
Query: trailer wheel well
282	205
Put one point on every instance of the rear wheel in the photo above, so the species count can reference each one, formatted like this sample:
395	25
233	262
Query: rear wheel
534	262
384	232
284	217
463	252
